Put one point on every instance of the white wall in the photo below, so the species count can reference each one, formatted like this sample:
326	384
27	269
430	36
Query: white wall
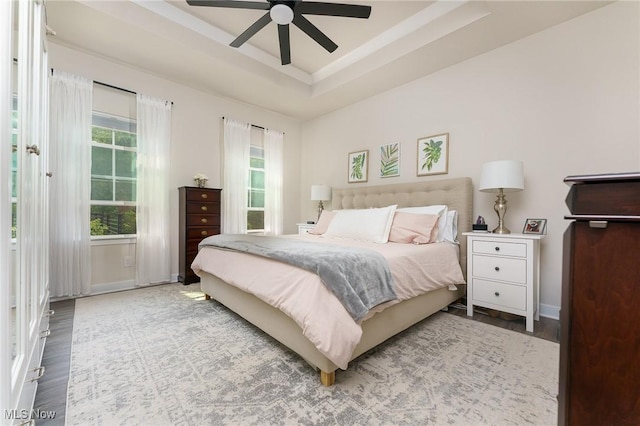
195	147
565	101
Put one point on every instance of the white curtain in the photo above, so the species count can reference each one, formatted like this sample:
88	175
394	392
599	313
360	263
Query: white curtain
70	187
152	204
273	165
237	142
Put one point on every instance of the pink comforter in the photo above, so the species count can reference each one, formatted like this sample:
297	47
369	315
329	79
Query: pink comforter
416	269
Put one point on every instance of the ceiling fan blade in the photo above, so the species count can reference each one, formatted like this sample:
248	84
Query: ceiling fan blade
233	4
285	44
313	32
251	31
333	9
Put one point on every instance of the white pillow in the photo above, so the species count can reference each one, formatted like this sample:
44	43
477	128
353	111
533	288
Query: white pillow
439	209
451	228
362	224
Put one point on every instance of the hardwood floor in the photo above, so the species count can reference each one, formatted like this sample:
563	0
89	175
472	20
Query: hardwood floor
52	388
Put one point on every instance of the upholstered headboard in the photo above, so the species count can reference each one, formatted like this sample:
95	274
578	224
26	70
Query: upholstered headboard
457	193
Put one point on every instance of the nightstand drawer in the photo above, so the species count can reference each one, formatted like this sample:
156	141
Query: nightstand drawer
500	248
509	296
500	268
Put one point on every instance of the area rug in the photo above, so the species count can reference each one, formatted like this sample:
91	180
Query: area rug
165	356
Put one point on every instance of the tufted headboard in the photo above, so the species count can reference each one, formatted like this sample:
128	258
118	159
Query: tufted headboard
457	193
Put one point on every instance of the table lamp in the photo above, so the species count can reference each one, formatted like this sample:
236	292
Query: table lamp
320	193
501	177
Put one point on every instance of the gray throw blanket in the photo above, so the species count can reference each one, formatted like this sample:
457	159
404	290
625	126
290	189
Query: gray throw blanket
360	278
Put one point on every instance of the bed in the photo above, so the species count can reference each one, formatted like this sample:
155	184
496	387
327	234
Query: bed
376	328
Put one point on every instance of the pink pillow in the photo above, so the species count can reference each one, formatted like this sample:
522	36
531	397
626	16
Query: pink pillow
414	228
323	222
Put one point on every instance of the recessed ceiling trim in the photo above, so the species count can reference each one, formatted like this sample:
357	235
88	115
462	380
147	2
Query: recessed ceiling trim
395	33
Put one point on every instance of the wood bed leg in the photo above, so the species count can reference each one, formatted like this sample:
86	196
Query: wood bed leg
207	297
327	379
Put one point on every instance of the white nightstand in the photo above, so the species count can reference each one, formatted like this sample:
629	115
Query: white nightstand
503	273
303	228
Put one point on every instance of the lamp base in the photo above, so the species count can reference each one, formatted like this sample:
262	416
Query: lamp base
501	208
502	230
320	208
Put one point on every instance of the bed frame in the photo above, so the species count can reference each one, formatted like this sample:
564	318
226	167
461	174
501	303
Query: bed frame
456	193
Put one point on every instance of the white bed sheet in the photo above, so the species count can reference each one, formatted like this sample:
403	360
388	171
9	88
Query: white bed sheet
302	296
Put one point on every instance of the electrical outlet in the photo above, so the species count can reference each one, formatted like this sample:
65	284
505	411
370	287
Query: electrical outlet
127	261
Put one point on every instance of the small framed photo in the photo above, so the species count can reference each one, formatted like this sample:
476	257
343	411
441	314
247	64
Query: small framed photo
358	166
534	226
433	155
390	160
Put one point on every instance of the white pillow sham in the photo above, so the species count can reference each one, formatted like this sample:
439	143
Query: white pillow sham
371	225
438	209
451	228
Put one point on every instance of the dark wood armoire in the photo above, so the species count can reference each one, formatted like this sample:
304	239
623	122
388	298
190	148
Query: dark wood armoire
199	217
600	312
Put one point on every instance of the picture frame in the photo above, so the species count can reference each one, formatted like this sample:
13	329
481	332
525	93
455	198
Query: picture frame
390	160
358	166
433	155
534	226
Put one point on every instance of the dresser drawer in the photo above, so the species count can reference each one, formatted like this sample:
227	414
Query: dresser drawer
203	220
500	268
501	248
195	194
506	295
203	208
202	232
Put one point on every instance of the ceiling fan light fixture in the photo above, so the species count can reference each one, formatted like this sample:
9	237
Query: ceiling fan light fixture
281	14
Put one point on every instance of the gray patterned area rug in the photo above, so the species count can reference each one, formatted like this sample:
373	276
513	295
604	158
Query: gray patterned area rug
165	356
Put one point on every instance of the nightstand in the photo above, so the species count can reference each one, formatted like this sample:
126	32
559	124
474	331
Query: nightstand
303	228
503	273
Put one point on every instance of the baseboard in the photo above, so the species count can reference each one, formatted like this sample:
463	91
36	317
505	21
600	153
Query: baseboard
112	286
550	311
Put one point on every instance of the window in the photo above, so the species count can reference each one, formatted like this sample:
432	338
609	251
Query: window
255	214
113	175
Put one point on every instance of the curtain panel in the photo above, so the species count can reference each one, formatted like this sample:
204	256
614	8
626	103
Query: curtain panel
153	261
273	165
237	142
70	188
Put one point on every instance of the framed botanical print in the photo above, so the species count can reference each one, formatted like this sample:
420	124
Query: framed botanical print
433	155
390	160
358	166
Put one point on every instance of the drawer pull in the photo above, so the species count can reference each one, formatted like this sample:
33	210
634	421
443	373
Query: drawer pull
497	248
204	233
204	220
497	268
204	208
497	293
203	195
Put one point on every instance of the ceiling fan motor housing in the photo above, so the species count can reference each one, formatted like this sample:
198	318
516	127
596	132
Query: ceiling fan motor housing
282	12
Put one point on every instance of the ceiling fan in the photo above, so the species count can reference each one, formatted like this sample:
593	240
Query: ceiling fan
286	12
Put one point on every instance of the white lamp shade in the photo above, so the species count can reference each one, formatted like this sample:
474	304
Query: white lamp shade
281	14
320	192
507	175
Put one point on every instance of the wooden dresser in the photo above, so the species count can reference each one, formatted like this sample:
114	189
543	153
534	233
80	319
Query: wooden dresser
199	218
600	314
